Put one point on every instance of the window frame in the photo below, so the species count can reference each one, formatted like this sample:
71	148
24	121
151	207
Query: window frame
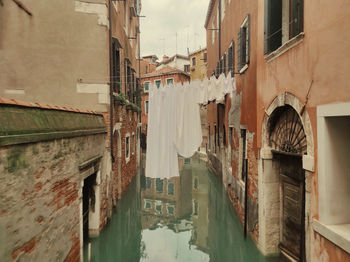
146	107
144	88
326	225
243	50
171	78
159	81
127	149
278	20
194	61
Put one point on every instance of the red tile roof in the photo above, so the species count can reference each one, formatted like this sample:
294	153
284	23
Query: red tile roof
167	70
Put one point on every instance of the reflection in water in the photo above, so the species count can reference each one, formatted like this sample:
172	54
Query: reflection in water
186	218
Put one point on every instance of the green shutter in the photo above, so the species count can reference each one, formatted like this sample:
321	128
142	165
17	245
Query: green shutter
273	25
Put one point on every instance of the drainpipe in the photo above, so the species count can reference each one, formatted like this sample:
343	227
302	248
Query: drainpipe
111	100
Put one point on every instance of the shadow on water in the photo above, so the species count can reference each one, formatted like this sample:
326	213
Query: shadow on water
186	218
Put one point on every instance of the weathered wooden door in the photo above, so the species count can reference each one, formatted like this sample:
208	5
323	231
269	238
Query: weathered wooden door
292	207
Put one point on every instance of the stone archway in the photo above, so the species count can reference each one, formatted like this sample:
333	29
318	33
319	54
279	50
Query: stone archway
287	149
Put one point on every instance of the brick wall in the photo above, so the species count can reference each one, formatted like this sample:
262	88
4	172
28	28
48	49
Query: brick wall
126	170
40	189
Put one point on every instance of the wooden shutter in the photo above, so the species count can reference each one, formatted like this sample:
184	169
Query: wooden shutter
247	58
239	50
295	17
273	25
230	58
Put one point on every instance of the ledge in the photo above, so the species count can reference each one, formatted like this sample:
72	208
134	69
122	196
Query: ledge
20	124
337	234
285	47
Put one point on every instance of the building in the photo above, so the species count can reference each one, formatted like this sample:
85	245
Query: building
198	64
77	73
165	75
148	64
180	62
279	144
198	71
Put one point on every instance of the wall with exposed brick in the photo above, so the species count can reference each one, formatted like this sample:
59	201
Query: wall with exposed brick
40	196
126	123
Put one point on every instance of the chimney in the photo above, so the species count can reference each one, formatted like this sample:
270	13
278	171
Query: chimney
165	58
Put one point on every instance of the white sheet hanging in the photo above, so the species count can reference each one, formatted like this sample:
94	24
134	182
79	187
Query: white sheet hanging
174	125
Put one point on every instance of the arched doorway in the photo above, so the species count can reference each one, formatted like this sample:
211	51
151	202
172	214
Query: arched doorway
282	149
287	140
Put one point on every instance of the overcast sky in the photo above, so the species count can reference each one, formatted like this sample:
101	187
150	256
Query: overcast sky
165	18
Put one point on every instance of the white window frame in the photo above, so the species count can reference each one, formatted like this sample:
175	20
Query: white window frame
167	209
127	156
155	82
144	89
337	233
145	203
171	78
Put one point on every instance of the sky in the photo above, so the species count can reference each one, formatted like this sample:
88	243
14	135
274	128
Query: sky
166	18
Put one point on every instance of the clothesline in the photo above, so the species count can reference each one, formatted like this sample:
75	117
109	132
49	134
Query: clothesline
174	125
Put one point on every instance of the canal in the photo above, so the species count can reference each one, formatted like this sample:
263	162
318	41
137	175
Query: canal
186	218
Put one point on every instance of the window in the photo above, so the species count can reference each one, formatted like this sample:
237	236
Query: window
127	148
159	207
146	70
170	81
231	58
333	138
195	183
205	57
243	54
133	144
187	68
148	182
171	188
283	21
146	86
158	82
147	204
170	209
195	207
159	185
116	79
193	61
146	107
243	145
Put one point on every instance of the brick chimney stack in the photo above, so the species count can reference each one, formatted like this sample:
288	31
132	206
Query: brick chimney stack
165	58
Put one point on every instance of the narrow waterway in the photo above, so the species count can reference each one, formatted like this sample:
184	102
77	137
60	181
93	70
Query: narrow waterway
186	218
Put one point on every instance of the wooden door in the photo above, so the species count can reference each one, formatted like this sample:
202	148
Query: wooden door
292	207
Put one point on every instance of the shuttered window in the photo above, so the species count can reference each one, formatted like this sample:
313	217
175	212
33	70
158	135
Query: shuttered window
116	79
230	58
243	51
283	21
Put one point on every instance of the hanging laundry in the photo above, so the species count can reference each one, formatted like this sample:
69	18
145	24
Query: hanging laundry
174	125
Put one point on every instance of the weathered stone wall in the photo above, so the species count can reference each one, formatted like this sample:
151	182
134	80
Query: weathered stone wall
40	196
45	155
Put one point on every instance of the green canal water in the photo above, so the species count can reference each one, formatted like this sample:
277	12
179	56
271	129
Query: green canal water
187	218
